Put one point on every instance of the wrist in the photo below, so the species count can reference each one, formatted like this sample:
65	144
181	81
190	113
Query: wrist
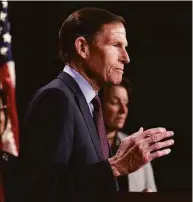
115	171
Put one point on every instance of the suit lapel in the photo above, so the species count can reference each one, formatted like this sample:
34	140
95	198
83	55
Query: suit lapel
84	108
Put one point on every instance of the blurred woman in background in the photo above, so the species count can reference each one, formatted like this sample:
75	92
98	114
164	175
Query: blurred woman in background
115	100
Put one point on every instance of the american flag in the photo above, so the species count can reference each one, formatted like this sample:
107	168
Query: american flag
9	139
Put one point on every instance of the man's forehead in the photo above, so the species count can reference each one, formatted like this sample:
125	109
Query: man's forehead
111	32
114	28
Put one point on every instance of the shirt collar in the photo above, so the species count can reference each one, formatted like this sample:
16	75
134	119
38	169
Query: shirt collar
86	88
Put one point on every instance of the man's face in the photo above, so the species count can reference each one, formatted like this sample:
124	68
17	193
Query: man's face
115	107
107	54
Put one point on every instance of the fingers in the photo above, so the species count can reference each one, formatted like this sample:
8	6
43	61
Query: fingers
138	134
140	130
159	153
153	131
148	133
149	140
159	136
160	145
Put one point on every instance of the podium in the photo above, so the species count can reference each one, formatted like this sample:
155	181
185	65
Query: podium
167	196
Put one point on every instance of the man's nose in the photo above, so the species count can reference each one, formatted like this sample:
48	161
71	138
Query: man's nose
125	57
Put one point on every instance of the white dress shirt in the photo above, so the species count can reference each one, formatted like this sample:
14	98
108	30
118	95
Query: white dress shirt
85	87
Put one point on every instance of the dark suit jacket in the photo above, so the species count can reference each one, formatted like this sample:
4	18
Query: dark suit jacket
61	155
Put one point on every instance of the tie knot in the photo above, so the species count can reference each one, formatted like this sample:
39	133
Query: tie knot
96	102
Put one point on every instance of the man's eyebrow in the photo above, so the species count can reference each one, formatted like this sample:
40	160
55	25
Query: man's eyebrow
125	43
114	96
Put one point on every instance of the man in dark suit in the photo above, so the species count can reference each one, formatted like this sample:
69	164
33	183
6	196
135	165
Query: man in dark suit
65	151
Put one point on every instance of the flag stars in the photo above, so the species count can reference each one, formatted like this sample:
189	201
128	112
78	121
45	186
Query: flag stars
3	50
7	37
5	4
3	16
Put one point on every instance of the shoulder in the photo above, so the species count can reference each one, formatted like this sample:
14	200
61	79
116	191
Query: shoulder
55	97
56	92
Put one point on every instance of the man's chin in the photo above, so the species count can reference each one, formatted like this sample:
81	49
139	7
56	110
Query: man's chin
117	81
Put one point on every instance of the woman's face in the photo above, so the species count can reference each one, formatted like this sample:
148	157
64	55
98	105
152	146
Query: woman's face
115	107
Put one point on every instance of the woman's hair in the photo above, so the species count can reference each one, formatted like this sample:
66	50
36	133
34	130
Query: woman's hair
124	83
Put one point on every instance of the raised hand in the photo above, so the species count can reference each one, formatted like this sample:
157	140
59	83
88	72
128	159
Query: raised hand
140	148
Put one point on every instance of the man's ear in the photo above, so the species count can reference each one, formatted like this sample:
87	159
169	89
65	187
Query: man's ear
82	47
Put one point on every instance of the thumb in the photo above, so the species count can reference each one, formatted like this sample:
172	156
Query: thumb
140	130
